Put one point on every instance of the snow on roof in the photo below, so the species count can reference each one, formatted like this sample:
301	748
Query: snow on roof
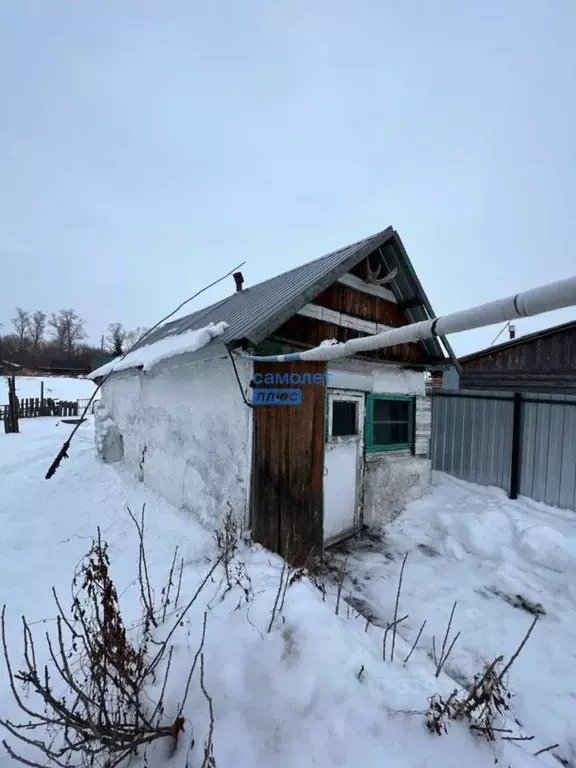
170	346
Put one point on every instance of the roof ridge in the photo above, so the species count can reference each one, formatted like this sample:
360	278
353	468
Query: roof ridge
196	315
257	311
519	339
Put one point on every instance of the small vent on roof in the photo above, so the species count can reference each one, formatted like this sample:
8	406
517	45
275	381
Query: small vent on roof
512	331
239	279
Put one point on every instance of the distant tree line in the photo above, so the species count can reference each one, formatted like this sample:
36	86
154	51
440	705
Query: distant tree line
39	340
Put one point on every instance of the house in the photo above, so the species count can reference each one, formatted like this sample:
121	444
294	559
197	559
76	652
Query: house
544	361
7	368
352	452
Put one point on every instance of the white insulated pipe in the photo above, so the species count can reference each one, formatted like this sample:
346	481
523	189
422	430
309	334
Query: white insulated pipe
546	298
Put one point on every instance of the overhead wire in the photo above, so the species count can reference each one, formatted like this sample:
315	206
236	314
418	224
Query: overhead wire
501	332
63	452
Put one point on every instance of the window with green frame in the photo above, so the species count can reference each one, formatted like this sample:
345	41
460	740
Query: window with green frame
389	422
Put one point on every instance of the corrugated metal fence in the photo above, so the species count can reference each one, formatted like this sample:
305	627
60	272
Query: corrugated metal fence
523	443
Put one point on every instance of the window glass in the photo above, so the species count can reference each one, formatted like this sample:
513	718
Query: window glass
390	433
344	418
391	410
389	423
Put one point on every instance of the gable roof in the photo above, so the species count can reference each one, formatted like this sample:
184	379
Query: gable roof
256	312
520	340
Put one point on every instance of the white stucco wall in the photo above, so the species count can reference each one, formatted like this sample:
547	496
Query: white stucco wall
186	432
391	478
350	373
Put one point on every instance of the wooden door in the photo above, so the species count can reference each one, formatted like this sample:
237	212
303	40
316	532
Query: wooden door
287	467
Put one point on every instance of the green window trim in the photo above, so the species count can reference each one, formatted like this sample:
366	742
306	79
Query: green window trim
369	445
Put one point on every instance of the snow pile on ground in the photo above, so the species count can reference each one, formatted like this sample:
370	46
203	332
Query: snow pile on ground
55	387
314	690
152	354
504	562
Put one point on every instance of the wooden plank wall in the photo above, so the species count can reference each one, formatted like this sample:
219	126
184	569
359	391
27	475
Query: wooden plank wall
343	298
546	364
287	469
312	332
553	382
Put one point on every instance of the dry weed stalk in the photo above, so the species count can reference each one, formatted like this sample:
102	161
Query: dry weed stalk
291	575
415	642
546	749
281	589
209	761
340	583
392	625
166	602
444	654
91	706
396	622
227	539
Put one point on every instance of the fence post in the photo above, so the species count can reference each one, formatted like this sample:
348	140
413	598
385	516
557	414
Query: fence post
42	406
11	417
516	457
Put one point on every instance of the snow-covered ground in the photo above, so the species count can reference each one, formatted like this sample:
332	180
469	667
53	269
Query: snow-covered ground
503	562
55	387
314	691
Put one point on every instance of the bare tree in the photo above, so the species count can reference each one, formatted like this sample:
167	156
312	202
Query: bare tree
132	336
20	323
116	338
37	329
58	326
68	330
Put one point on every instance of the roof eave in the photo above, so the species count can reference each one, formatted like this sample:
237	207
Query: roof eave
425	300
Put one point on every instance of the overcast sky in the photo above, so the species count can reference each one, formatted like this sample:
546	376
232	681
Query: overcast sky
148	147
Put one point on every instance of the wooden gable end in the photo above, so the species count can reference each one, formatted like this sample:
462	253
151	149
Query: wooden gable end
351	308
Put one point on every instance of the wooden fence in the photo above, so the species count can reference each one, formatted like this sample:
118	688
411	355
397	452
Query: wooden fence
31	407
82	403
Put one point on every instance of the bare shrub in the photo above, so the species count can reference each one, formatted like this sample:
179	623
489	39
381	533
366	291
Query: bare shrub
227	540
483	705
92	709
486	701
441	710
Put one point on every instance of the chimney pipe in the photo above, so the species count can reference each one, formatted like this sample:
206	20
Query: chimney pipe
238	277
512	331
